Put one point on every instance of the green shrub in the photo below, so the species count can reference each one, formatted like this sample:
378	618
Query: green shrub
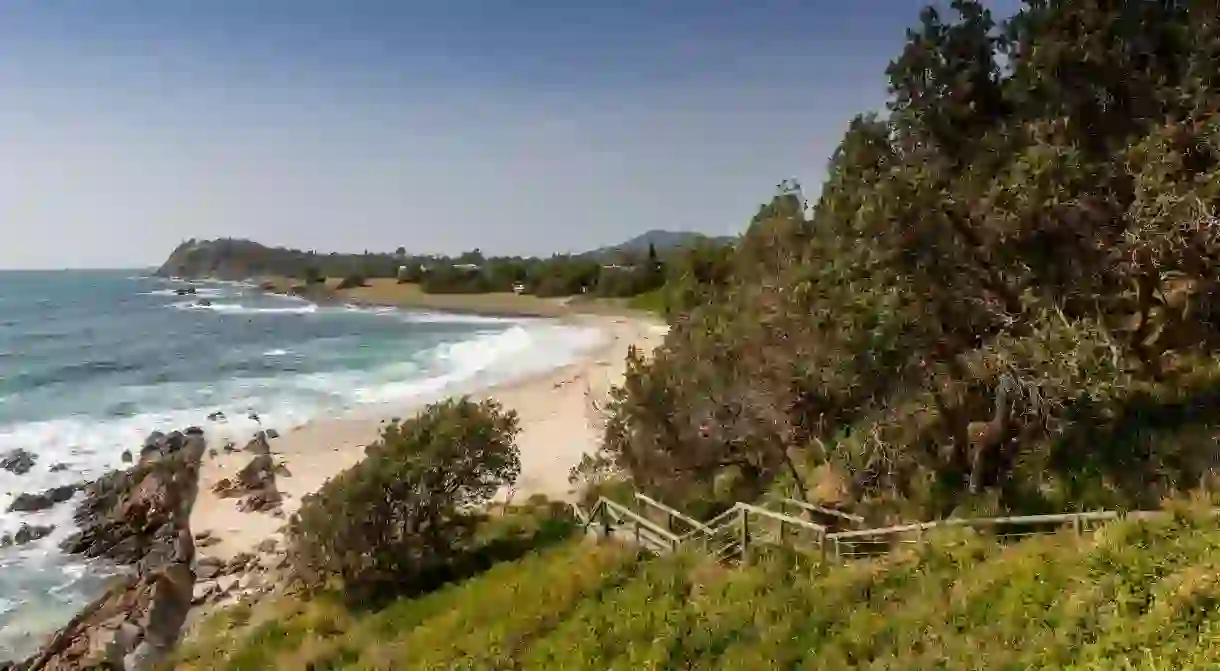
397	521
352	281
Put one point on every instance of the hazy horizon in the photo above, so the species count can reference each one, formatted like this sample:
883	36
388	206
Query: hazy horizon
129	127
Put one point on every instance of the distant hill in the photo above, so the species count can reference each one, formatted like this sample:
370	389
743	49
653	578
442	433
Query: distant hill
663	241
236	259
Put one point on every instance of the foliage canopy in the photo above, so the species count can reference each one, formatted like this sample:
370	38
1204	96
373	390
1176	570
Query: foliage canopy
1004	297
400	518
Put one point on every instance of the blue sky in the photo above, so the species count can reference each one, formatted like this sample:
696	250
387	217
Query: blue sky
127	126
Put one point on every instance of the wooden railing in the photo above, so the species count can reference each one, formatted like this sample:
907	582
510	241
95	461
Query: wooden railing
739	531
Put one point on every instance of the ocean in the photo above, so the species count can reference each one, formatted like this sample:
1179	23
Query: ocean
92	361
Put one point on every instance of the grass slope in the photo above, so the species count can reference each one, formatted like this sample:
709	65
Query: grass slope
1132	596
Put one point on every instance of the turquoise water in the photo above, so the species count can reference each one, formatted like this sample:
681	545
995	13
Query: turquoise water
92	361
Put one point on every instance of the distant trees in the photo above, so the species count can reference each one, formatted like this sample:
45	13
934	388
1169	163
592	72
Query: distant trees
623	274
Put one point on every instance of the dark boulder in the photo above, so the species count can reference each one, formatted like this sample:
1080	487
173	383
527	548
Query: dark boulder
261	501
26	533
159	444
57	467
259	445
217	416
18	461
29	503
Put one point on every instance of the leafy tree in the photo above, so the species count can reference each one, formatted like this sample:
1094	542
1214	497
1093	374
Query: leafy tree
1020	255
398	518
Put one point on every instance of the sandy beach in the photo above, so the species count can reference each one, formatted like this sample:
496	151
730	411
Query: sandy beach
558	419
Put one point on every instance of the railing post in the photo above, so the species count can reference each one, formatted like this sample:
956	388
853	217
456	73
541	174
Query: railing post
838	551
605	519
783	533
1078	525
745	537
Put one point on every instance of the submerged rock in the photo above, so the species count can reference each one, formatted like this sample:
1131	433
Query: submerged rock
26	533
18	461
29	503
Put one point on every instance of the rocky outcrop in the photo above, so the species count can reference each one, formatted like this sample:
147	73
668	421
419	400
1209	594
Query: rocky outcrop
134	516
139	516
247	575
29	503
18	461
255	482
134	625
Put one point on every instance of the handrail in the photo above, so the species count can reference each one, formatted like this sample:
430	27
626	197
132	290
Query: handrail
641	520
787	519
1058	518
733	525
670	511
715	521
825	511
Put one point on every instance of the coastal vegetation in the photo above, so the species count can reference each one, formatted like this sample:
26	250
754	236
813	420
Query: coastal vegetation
405	516
627	270
1001	301
1003	298
1132	596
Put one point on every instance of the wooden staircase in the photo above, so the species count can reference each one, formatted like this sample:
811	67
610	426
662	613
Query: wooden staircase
836	536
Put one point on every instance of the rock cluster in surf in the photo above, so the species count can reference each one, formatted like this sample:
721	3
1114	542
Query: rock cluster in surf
140	517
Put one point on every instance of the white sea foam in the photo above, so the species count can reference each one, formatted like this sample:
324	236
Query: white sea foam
371	310
204	292
239	309
427	317
90	445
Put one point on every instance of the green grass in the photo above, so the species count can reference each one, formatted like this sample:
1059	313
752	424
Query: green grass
652	301
1134	596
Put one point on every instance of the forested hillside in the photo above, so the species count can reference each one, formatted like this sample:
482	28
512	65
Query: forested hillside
637	266
1004	298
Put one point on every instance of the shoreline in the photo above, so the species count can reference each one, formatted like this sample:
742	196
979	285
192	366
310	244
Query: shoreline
557	414
385	292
